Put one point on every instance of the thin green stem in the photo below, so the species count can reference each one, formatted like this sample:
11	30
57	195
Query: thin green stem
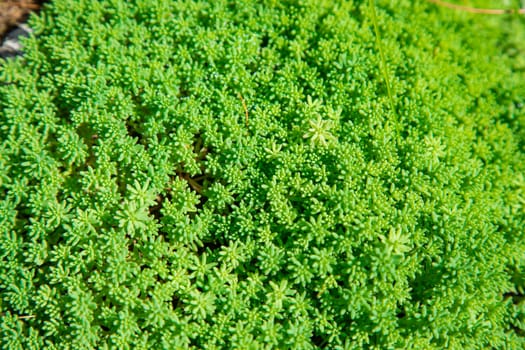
382	56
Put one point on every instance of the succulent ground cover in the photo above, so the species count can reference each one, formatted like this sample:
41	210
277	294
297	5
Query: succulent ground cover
256	174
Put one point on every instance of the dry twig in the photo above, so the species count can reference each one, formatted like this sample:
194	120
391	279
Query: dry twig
245	108
478	10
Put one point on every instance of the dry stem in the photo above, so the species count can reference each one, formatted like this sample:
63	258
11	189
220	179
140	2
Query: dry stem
478	10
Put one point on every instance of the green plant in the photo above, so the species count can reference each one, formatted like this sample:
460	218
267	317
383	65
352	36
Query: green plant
218	174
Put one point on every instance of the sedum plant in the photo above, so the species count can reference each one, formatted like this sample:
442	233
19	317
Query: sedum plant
256	175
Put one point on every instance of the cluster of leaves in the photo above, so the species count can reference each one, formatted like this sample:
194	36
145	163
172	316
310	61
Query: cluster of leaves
233	174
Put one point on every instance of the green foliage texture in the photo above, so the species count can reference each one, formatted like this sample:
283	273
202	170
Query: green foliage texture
253	174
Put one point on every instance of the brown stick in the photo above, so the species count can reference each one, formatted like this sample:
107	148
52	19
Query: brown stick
245	108
194	184
26	316
478	10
